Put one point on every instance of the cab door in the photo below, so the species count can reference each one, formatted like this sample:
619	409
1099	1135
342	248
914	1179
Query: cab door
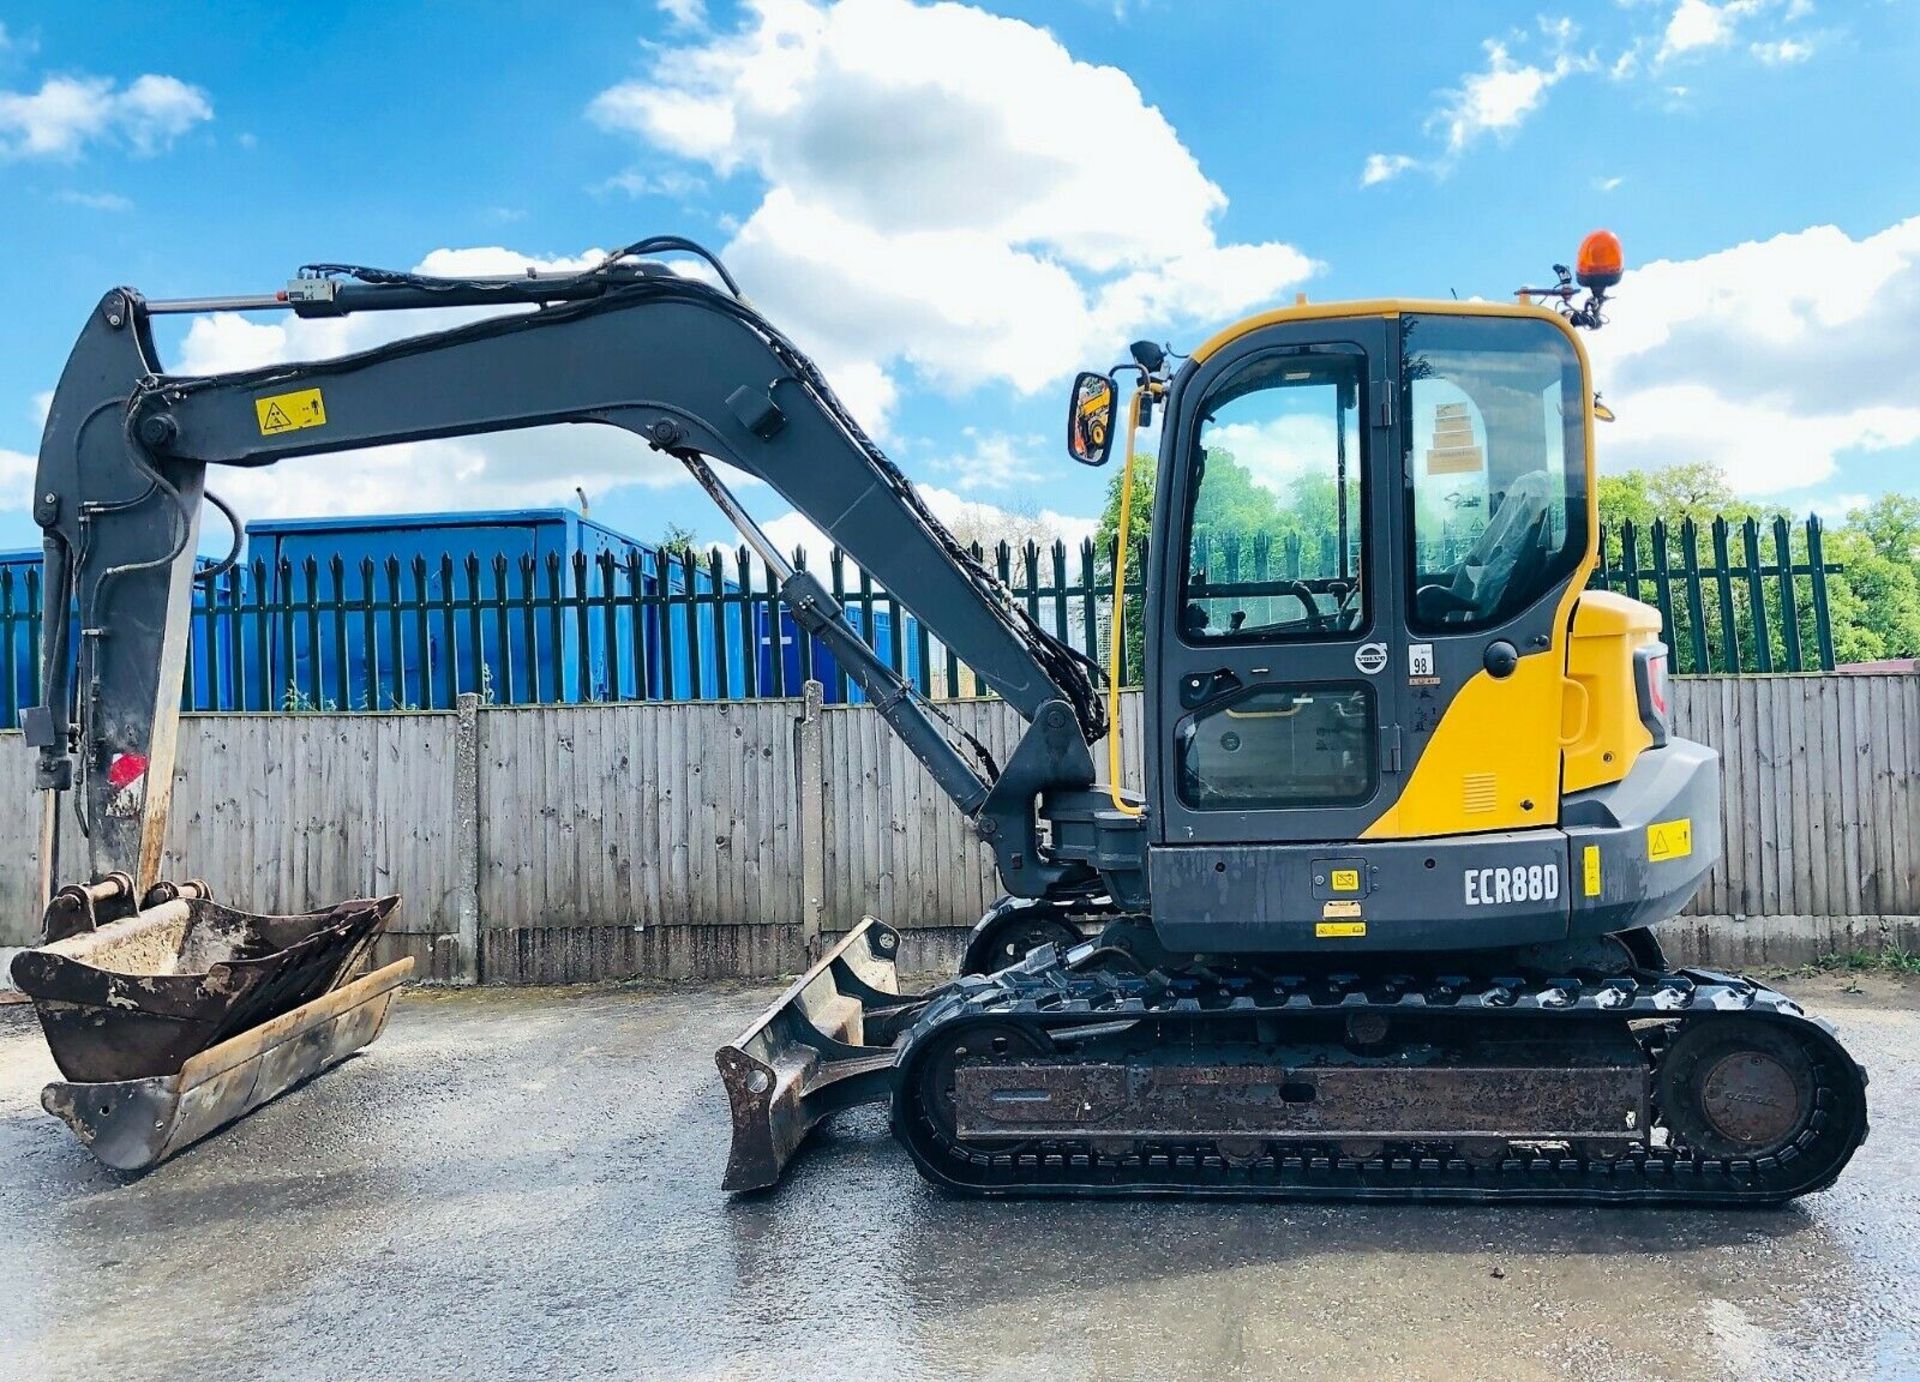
1272	708
1496	532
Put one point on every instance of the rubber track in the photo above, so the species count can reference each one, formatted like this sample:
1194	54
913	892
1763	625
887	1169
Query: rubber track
1044	995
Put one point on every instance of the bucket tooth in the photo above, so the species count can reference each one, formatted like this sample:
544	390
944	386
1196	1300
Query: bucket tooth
827	1044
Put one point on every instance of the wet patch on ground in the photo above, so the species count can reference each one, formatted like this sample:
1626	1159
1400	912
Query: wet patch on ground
524	1182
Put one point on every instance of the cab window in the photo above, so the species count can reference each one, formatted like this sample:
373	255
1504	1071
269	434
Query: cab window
1275	537
1496	466
1280	747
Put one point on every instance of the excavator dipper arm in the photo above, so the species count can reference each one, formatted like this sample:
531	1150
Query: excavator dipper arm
690	369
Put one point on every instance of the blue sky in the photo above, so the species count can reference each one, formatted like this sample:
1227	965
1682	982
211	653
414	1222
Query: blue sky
954	207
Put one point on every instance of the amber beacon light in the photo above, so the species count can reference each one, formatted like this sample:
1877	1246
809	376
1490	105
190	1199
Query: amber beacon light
1600	263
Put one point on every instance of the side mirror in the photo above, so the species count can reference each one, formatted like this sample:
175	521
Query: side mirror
1090	418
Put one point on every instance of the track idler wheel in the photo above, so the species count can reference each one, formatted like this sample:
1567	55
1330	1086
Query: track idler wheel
1737	1088
974	1041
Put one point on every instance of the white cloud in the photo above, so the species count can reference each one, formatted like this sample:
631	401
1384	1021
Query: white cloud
1507	91
966	515
668	182
505	469
41	406
1495	100
1834	507
1769	359
1385	167
942	193
1499	98
684	14
1699	27
68	113
962	511
1696	24
1783	52
994	460
94	201
794	532
1607	184
16	480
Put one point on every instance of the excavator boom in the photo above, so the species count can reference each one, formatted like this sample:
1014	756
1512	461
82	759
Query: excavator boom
689	369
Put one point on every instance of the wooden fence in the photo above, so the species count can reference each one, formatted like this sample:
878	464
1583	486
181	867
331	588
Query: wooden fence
559	843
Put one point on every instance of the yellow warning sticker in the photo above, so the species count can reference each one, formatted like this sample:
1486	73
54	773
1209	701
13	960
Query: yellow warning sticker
1332	930
1590	870
289	412
1670	839
1346	880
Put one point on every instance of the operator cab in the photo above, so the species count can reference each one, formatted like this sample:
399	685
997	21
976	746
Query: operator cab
1372	524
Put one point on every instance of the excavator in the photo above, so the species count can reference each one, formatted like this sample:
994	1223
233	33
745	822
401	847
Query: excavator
1379	926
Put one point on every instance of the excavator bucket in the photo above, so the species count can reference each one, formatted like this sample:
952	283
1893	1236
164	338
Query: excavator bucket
178	1018
827	1044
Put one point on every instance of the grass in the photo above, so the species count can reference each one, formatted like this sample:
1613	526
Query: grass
1895	961
1857	962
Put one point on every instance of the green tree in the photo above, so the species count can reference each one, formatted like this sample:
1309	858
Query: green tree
1892	524
1690	489
679	542
1140	516
1873	601
1875	598
1693	489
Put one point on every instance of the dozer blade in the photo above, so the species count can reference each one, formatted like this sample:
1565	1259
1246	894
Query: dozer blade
827	1044
135	1124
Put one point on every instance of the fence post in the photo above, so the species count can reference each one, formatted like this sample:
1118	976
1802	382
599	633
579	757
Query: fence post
1817	568
466	839
811	768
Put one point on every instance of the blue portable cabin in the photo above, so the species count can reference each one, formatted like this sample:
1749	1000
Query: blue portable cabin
21	631
825	665
20	653
549	652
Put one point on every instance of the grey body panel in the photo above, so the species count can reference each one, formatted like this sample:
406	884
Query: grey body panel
1463	892
1680	781
1274	897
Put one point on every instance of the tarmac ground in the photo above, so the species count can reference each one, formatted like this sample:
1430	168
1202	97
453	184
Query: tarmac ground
525	1183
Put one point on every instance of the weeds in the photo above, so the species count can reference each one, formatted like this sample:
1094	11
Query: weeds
1855	963
1894	961
298	702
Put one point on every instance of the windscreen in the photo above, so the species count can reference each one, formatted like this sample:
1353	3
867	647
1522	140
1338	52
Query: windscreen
1496	465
